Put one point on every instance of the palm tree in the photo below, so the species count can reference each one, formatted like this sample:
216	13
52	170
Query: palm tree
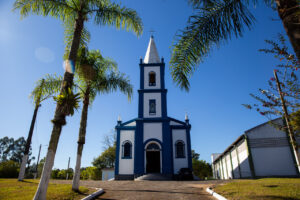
102	12
39	94
216	21
95	75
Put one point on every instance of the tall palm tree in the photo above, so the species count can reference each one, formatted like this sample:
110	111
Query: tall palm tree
102	12
95	75
39	94
216	21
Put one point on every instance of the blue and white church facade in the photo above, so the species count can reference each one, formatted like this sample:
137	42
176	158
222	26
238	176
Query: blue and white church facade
152	142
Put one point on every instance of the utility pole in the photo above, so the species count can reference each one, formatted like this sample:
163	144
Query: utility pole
37	163
68	169
290	130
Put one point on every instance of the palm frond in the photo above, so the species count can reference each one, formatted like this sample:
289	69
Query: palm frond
199	3
50	87
108	64
113	82
101	75
112	14
55	8
92	65
211	25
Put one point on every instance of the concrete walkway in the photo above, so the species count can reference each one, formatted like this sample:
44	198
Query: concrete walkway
146	190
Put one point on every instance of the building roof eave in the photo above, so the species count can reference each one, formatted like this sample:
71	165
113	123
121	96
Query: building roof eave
176	120
240	138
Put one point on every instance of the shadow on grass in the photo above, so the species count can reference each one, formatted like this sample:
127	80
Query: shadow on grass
82	193
32	182
271	186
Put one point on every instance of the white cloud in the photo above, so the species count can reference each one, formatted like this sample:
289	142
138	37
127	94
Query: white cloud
44	54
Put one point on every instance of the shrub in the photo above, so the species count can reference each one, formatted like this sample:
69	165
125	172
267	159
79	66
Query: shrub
9	169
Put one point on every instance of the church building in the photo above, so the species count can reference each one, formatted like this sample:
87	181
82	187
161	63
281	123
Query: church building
152	142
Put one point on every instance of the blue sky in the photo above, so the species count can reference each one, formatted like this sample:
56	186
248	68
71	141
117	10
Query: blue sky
33	47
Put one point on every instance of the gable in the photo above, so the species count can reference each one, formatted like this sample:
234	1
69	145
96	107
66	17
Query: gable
267	130
176	122
131	124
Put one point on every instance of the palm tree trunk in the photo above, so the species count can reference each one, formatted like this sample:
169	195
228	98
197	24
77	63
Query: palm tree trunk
59	117
28	142
81	139
288	11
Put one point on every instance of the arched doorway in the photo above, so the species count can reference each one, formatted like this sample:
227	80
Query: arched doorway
152	158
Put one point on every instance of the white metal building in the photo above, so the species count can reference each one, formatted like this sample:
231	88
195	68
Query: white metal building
262	151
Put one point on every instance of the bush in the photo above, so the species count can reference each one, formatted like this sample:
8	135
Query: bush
54	173
9	169
84	174
202	169
93	173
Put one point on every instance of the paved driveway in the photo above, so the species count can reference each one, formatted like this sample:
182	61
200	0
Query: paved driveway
145	190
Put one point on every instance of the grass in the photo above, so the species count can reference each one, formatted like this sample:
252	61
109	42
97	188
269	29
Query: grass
15	190
265	189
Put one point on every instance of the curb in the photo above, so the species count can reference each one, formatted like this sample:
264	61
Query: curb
95	194
214	194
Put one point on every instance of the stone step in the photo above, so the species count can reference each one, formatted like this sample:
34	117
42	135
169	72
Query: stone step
153	177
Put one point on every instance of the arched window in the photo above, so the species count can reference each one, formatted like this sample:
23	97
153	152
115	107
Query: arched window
152	78
179	147
127	149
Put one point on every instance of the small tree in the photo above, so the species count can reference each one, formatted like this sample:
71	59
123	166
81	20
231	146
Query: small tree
6	145
11	149
269	104
201	168
282	97
106	159
109	139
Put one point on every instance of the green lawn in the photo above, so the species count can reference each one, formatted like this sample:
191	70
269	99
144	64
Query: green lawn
266	188
12	189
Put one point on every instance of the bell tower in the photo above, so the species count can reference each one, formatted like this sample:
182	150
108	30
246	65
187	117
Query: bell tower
152	92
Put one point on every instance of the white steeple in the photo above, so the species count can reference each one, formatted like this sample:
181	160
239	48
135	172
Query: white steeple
151	54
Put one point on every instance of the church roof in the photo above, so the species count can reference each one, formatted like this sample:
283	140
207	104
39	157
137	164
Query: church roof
152	53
